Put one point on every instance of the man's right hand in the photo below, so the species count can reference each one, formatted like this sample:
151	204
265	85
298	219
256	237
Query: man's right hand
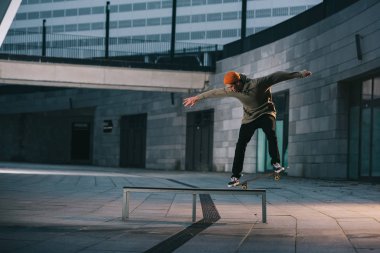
306	73
190	101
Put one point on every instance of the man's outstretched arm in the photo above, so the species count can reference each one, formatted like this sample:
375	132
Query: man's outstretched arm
279	76
215	93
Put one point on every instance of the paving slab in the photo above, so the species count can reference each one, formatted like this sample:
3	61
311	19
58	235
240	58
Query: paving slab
62	208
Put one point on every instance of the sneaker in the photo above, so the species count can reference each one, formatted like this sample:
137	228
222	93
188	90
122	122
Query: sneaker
234	182
278	168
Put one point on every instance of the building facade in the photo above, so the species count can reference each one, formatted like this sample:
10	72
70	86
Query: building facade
328	124
198	21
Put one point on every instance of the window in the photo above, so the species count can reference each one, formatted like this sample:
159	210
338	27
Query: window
250	13
33	30
125	7
183	19
165	37
98	10
58	28
46	1
21	16
114	8
139	6
153	21
45	14
229	33
166	4
138	38
84	27
214	1
84	11
154	5
113	24
71	12
125	23
262	13
280	12
71	28
198	18
58	13
97	26
198	2
138	22
183	3
297	10
182	36
33	15
230	1
153	37
230	15
198	35
213	34
214	16
33	2
166	21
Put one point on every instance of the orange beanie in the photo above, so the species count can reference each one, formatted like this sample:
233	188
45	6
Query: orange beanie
231	77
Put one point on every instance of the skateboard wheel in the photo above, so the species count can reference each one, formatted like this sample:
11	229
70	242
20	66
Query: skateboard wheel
244	187
277	177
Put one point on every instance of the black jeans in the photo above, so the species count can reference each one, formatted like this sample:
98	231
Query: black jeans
268	124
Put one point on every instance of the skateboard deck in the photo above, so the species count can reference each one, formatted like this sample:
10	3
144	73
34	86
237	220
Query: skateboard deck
276	176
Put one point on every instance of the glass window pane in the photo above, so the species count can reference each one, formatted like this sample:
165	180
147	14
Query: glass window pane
214	16
354	136
376	128
297	10
58	13
153	21
139	6
71	12
98	10
263	13
365	128
154	5
125	23
125	7
84	11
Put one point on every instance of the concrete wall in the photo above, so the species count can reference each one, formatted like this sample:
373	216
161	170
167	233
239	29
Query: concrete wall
318	105
318	113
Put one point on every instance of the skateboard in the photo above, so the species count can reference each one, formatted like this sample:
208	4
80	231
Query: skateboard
276	176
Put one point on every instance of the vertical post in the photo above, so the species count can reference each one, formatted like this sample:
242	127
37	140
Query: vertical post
125	212
243	18
194	207
44	37
264	206
174	20
107	39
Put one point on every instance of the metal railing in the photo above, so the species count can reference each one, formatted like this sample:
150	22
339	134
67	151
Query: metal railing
89	47
194	192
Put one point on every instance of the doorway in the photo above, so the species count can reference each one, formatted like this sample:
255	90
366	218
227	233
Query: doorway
364	130
133	140
80	141
199	140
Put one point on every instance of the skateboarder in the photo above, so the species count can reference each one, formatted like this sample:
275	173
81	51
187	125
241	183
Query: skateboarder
259	112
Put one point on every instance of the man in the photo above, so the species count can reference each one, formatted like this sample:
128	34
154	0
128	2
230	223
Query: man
259	112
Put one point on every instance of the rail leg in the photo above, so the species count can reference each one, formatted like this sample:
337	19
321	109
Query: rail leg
194	207
264	207
125	213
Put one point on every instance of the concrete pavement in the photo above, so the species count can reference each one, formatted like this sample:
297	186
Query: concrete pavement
52	208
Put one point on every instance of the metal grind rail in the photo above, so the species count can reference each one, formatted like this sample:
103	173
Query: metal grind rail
127	192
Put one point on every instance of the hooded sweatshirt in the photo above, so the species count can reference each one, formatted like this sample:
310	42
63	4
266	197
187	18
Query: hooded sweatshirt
256	95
